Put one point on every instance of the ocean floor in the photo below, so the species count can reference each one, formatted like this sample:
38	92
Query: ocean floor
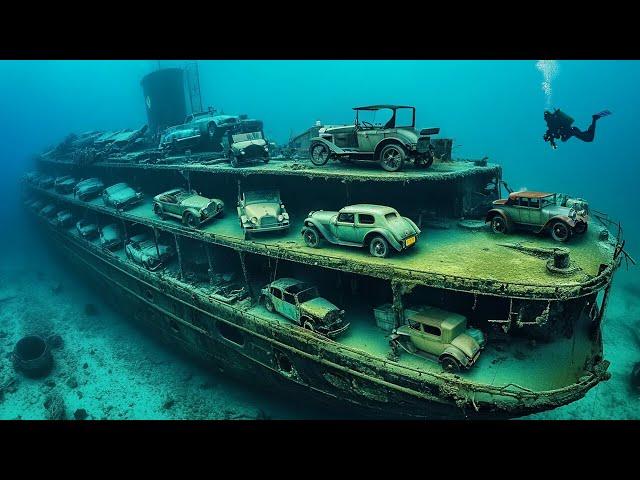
107	368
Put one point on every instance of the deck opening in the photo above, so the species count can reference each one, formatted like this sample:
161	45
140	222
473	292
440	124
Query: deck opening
283	363
231	333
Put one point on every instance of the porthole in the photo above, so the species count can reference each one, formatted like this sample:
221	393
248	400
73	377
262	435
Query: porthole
284	363
231	333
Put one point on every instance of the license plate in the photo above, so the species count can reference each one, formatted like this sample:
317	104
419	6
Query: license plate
410	241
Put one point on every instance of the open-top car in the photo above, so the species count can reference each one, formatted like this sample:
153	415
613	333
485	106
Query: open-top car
110	237
64	218
191	208
65	184
46	181
388	141
121	196
376	227
440	335
299	301
199	130
246	142
142	250
262	211
560	216
88	189
87	229
49	211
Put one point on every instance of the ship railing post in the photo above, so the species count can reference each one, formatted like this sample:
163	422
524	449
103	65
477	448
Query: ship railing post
397	307
179	252
207	250
124	230
245	273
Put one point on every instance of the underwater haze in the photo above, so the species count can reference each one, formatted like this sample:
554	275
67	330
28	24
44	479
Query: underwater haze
490	108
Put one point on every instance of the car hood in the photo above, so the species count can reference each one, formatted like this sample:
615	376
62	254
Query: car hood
467	344
148	247
323	216
196	201
259	210
318	307
123	194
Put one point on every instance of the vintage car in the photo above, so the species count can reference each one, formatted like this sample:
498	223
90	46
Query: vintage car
539	212
199	129
440	335
191	208
142	250
376	227
262	211
31	178
64	218
389	144
246	142
48	211
121	196
87	189
65	184
46	181
87	230
110	237
36	206
299	301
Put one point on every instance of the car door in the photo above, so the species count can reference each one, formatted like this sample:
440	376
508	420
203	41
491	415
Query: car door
364	223
345	228
534	213
368	138
289	306
428	339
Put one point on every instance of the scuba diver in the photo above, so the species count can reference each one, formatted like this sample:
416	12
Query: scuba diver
559	126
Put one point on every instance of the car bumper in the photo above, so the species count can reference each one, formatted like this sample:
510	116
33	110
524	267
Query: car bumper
272	228
337	332
407	243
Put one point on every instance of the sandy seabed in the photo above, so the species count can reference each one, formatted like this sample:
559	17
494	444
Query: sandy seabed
108	368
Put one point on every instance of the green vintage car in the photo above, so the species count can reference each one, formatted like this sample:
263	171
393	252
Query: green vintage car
299	301
376	227
191	208
440	335
560	216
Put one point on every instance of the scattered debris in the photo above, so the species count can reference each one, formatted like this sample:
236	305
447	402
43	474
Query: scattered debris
80	414
72	382
168	403
56	409
85	365
55	341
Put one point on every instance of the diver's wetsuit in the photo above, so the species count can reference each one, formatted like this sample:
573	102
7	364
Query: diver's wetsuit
559	126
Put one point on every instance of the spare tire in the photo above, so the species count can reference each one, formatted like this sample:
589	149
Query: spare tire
32	356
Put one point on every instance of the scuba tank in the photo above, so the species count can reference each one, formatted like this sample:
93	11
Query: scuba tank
558	120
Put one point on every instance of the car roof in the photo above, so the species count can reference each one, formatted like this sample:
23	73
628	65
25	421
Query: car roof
118	186
285	282
528	194
380	107
172	191
367	208
434	315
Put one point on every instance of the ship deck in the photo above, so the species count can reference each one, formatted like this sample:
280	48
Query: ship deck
466	260
304	168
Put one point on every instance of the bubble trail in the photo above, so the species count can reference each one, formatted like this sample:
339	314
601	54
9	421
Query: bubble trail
549	70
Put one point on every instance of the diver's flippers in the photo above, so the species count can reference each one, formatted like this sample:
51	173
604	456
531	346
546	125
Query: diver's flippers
601	114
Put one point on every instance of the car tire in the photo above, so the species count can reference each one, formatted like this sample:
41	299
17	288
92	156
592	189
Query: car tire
234	161
560	231
379	247
268	304
319	154
311	237
308	325
449	364
157	209
498	224
266	159
191	221
392	157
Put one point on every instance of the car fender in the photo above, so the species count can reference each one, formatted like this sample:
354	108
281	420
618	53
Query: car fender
386	141
413	224
324	231
192	211
388	237
562	218
332	146
496	211
457	354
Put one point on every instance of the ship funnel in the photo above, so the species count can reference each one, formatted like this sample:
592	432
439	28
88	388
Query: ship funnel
165	99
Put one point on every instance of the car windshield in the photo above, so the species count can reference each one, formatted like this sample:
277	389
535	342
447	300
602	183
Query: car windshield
546	201
245	137
262	196
308	294
377	118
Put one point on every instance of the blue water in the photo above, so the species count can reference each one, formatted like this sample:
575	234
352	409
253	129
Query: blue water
490	108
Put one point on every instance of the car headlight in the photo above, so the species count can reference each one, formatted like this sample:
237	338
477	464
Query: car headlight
242	152
285	215
254	220
280	218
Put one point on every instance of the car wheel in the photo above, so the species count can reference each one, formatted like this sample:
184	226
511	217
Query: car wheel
234	161
560	231
266	159
379	247
498	224
212	130
268	304
191	220
449	364
308	325
311	237
392	157
319	154
157	209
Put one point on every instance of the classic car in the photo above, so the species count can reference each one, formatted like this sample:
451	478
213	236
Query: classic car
142	250
65	184
121	196
440	335
46	181
36	206
246	142
299	301
64	218
31	178
198	129
560	216
48	211
388	143
86	230
376	227
191	208
110	237
89	188
262	211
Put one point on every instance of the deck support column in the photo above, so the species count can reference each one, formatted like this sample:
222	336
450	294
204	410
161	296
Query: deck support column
155	240
245	273
179	252
207	250
397	290
124	231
